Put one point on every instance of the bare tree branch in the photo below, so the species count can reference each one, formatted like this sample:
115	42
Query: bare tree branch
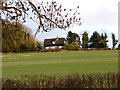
50	15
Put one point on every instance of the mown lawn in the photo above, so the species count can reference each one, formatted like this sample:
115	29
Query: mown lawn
59	63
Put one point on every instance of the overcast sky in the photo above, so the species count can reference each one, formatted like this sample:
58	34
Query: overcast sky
96	15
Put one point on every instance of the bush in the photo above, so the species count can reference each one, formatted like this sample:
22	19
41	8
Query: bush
70	47
23	48
100	80
33	48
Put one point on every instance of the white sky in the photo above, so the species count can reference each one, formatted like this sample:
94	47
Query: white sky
96	15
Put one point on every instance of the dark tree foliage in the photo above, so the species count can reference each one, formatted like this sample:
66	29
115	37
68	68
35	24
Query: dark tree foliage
73	38
114	41
85	40
48	15
94	40
98	41
103	41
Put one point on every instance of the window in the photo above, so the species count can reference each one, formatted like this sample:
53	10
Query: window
53	42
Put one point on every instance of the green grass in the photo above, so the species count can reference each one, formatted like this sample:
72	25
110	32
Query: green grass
60	63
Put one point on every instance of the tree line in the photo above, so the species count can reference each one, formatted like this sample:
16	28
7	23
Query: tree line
18	38
97	40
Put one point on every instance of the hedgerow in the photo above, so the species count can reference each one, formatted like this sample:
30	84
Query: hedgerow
101	80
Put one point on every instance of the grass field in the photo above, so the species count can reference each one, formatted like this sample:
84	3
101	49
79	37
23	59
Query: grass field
59	63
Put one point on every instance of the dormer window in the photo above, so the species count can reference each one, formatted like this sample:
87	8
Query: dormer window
53	42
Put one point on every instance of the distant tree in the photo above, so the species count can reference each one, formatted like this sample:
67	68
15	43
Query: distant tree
98	41
103	41
85	40
27	32
114	41
47	15
73	38
16	39
11	36
94	40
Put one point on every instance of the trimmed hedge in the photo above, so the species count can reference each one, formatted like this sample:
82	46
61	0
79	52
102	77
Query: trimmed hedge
70	47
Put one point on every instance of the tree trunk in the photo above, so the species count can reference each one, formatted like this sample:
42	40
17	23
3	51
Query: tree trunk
12	40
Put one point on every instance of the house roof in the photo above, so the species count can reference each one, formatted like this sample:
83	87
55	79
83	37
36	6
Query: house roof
54	42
